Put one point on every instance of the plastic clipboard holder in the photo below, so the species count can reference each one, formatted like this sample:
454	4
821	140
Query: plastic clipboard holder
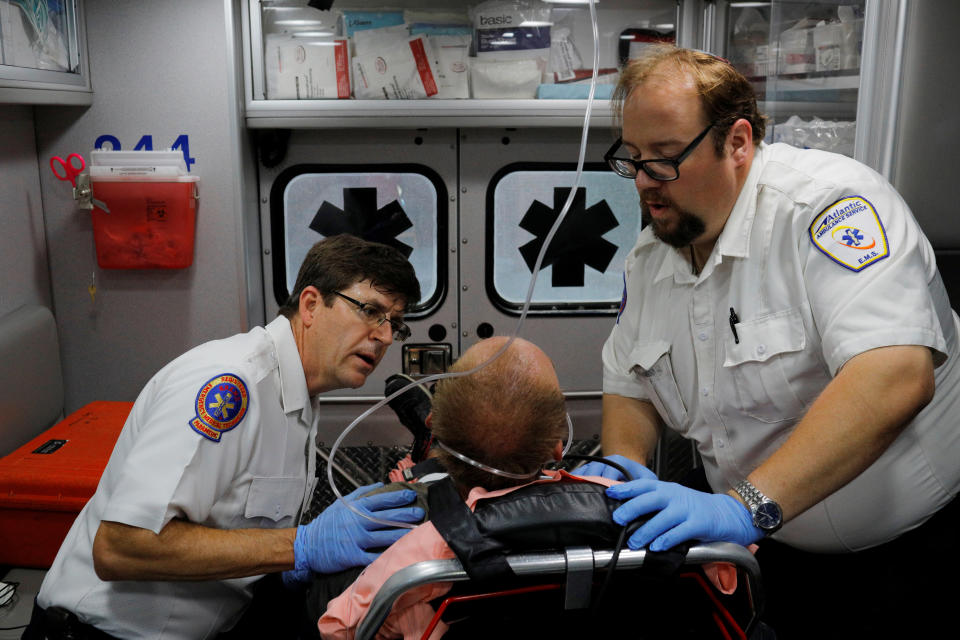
151	223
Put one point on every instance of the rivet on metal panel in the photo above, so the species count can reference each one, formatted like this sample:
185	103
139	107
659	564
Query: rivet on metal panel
465	287
453	249
464	334
263	200
464	241
453	325
266	252
463	189
453	198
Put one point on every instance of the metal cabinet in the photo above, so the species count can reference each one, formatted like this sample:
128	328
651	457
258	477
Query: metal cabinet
43	53
280	36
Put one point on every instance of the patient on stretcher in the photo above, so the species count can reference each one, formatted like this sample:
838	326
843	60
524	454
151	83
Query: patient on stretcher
509	416
493	431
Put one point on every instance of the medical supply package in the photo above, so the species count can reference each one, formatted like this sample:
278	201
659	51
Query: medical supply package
510	36
452	61
303	68
397	71
352	21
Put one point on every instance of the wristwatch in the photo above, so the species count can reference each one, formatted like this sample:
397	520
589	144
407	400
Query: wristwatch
767	514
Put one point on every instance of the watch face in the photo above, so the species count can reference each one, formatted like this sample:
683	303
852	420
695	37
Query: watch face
768	516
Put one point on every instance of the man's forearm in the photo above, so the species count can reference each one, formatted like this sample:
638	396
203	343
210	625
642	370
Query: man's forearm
187	551
631	428
853	421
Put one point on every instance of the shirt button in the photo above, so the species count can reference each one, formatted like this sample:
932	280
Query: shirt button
761	349
705	391
702	336
720	443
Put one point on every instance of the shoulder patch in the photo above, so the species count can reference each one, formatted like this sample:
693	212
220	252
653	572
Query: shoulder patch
850	233
220	406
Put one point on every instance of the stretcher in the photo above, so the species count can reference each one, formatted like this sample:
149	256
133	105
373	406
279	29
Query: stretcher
551	552
573	573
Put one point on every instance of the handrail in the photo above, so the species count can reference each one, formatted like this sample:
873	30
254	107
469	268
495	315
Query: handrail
546	563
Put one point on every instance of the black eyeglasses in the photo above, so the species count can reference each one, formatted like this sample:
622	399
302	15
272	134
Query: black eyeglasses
373	316
661	169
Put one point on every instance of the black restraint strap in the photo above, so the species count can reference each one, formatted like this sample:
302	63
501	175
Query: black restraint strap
538	516
480	555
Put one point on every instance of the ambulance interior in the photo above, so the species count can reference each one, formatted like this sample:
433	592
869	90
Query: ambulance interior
464	167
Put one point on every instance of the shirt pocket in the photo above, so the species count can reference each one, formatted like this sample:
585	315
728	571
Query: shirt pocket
760	365
653	368
274	498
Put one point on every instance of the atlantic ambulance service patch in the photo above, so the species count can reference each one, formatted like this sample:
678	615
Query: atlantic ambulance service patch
221	405
850	233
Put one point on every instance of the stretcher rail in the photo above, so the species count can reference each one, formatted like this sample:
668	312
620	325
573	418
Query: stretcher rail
547	563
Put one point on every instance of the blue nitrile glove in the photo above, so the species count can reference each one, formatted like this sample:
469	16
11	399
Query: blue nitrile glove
634	468
338	538
681	514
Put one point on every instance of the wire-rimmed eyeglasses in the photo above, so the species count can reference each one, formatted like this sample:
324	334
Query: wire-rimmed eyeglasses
660	169
373	316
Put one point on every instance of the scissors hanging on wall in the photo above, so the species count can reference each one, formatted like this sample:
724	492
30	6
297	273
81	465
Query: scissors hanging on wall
71	170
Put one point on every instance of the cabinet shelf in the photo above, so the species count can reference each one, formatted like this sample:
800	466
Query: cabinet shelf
296	114
613	17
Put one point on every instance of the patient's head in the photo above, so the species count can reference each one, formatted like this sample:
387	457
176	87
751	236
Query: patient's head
510	415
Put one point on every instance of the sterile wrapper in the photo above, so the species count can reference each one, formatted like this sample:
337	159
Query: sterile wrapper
399	72
299	68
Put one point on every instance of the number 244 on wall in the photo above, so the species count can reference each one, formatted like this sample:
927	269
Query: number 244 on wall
146	144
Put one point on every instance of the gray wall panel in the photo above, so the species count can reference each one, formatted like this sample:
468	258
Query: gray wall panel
23	250
929	122
159	69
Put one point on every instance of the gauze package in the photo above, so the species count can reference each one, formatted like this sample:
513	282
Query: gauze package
517	79
514	32
452	55
399	71
352	21
366	41
300	68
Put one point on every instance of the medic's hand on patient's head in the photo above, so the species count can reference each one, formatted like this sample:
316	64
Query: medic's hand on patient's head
338	538
680	514
636	470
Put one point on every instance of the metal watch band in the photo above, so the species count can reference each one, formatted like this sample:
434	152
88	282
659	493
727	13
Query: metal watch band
750	494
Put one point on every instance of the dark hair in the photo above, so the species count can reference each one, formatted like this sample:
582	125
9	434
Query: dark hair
726	95
503	416
337	262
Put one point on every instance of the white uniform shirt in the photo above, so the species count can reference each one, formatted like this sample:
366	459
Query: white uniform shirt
820	260
257	473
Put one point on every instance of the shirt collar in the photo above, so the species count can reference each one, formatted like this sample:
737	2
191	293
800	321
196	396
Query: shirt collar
673	264
734	240
293	382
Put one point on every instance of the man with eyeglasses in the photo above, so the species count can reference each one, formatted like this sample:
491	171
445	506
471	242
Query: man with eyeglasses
205	489
782	309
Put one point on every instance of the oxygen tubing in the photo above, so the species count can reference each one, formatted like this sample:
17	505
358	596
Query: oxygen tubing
526	303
